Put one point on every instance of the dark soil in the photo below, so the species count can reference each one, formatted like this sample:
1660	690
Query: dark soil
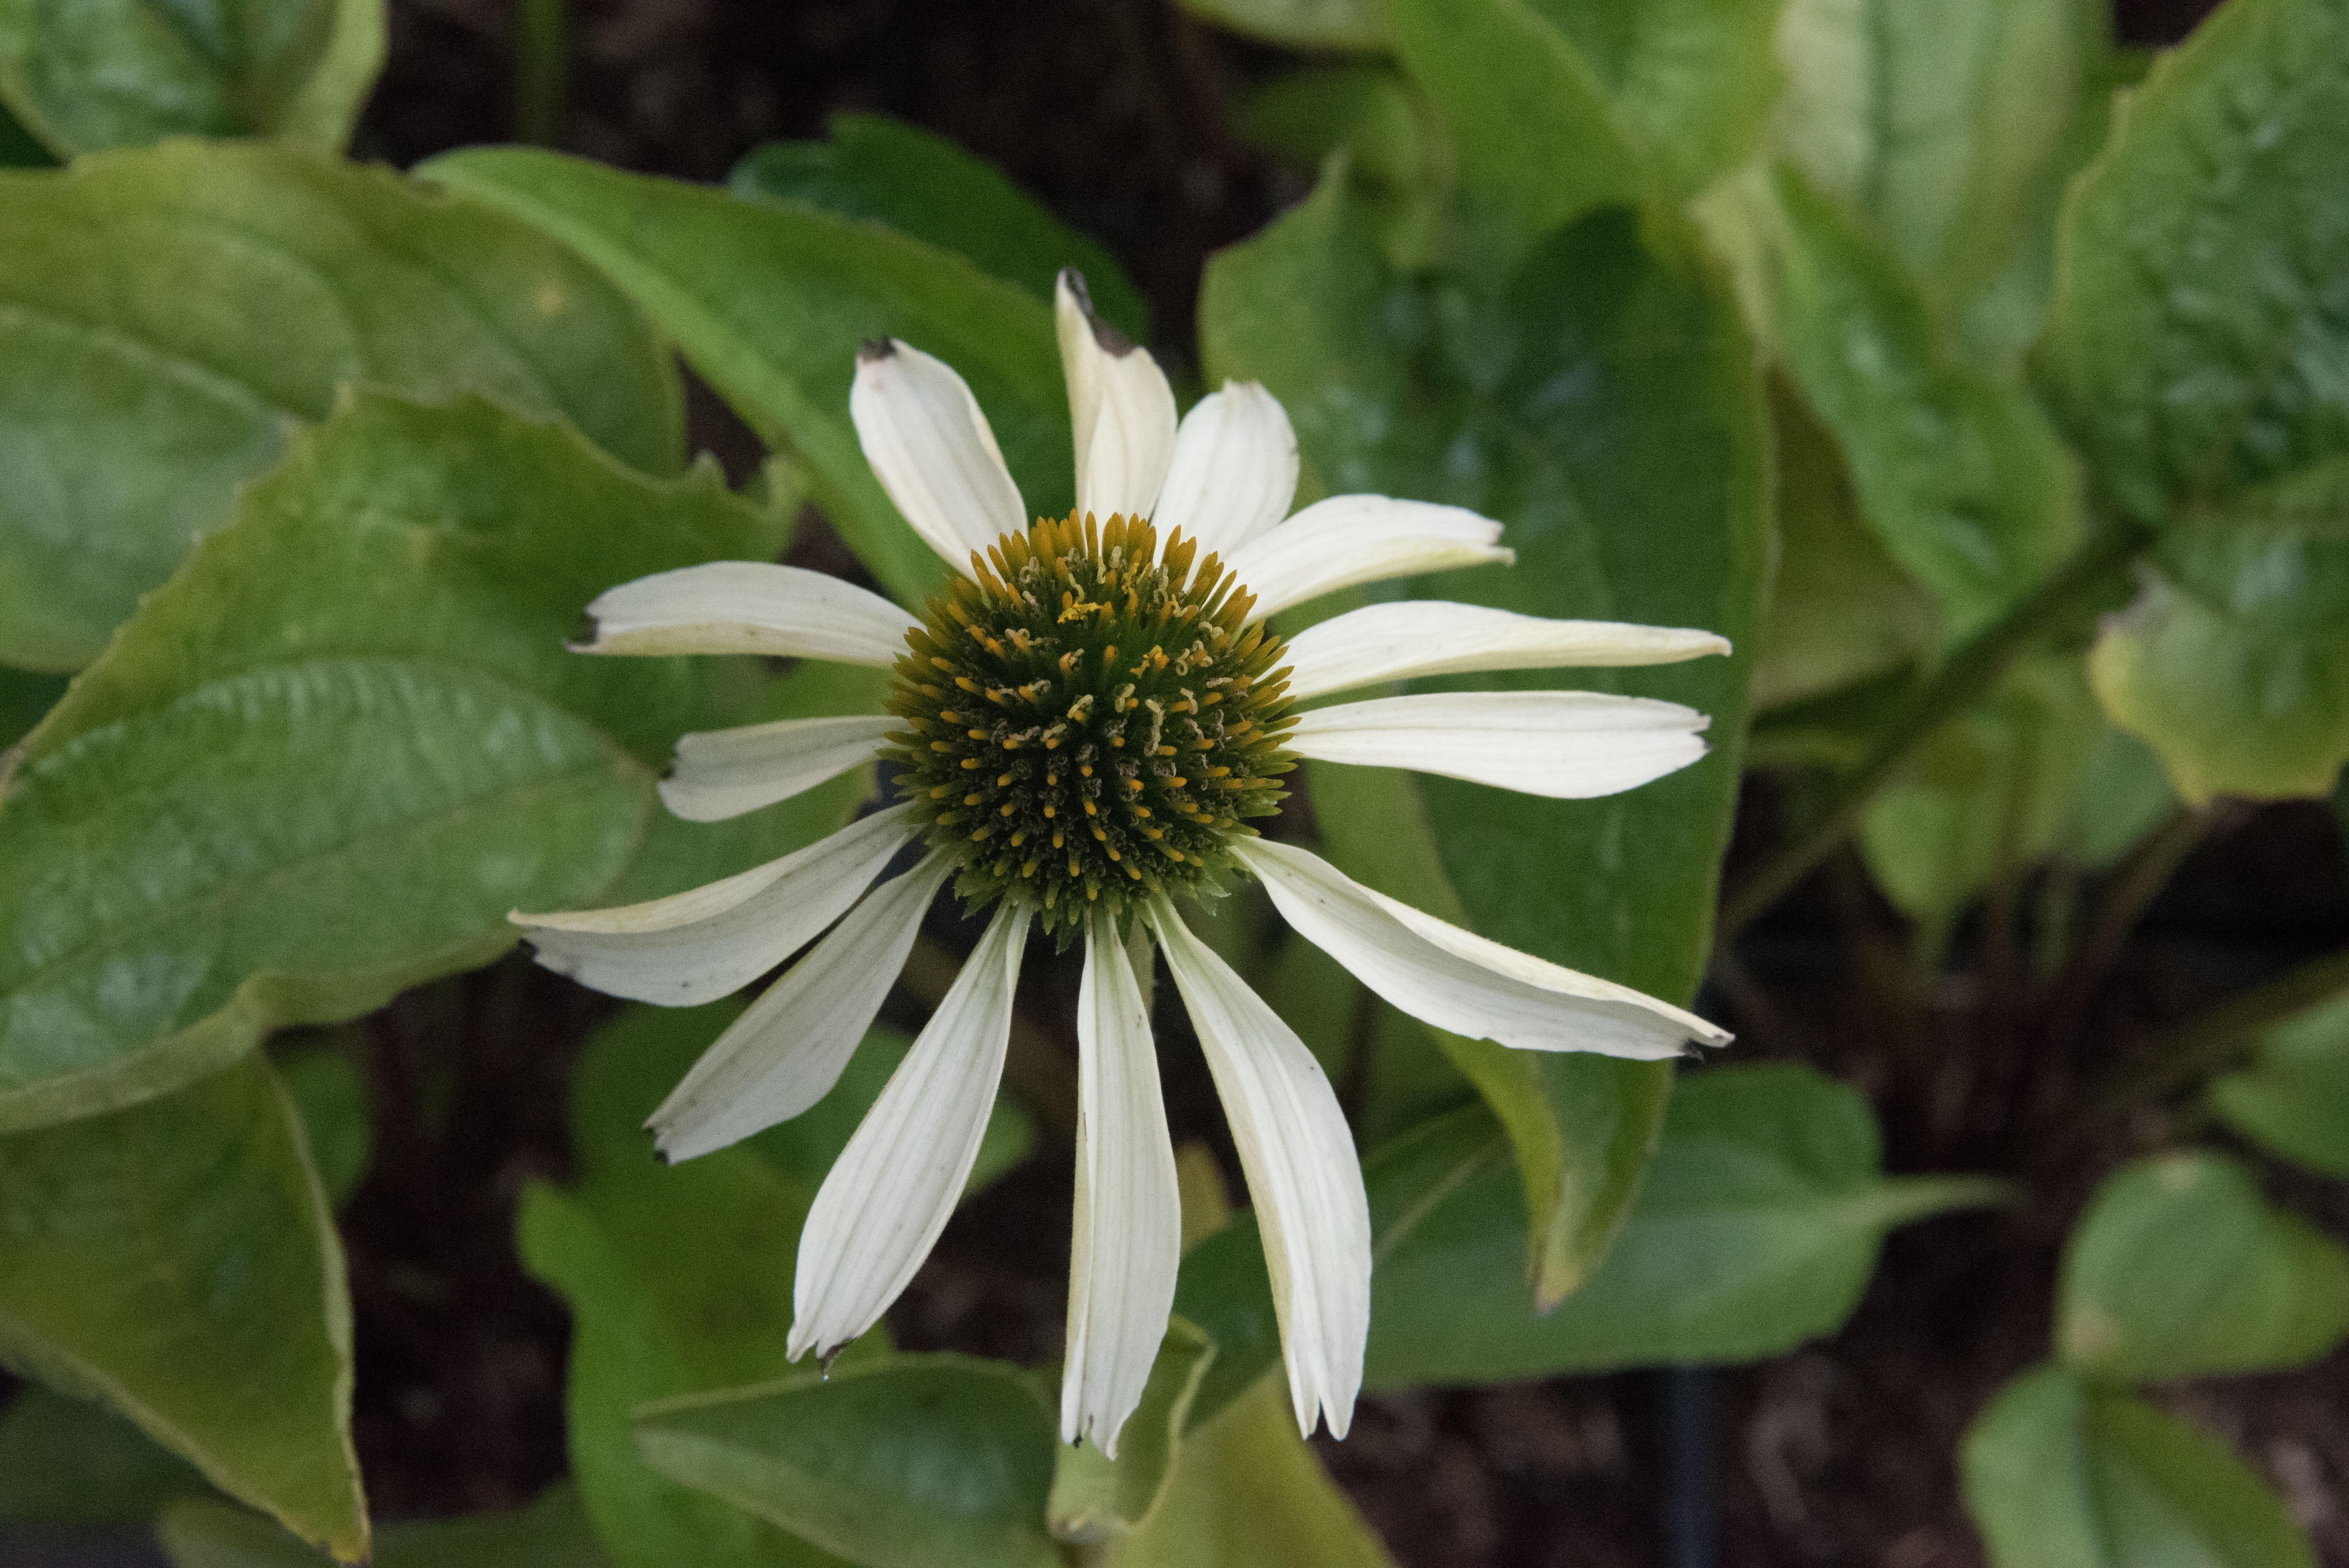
1117	113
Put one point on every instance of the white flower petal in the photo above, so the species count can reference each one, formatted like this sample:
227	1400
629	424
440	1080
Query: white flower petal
1568	745
1120	411
1351	539
1460	981
1234	472
932	450
784	1053
1437	637
891	1191
722	773
1128	1236
707	941
1303	1174
748	607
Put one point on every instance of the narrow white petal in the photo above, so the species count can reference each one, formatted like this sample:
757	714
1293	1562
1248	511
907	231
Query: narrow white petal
1303	1174
748	607
1120	409
1128	1239
1460	981
722	773
1437	637
699	945
1568	745
1351	539
1234	472
784	1053
932	450
891	1191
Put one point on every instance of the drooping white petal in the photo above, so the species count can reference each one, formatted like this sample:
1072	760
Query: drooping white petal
722	773
932	450
1351	539
1234	472
892	1189
1460	981
1120	409
1303	1174
1568	745
785	1053
1438	637
747	607
1128	1236
699	945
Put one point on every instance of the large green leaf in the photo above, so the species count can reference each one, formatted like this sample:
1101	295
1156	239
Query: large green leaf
25	697
1303	24
1604	408
2059	1475
1960	475
326	758
1756	1229
1536	140
2294	1099
2180	1268
68	1461
917	182
552	1533
1936	122
903	1461
177	1261
2234	661
680	1278
89	75
1694	80
2199	338
169	317
770	301
1396	156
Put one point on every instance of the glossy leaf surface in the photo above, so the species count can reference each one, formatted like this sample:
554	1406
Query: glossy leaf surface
170	318
177	1261
357	705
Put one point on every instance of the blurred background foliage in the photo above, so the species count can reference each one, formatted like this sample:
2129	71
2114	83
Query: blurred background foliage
1980	368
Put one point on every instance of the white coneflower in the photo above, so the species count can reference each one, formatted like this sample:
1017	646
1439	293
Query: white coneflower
1083	723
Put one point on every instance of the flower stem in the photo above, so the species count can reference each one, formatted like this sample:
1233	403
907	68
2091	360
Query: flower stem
1970	672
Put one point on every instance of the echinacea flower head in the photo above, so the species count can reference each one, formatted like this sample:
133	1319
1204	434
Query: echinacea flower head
1087	725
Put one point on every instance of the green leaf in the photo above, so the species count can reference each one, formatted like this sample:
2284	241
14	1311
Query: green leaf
25	697
1694	80
1536	140
1935	122
332	1101
1840	609
905	1462
17	147
928	187
2059	1475
89	75
357	705
1096	1497
1604	408
769	302
1300	23
1960	476
170	318
1757	1227
1247	1493
552	1533
178	1261
680	1278
2198	342
1992	791
2180	1268
1396	156
68	1461
2124	797
2294	1099
2233	663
